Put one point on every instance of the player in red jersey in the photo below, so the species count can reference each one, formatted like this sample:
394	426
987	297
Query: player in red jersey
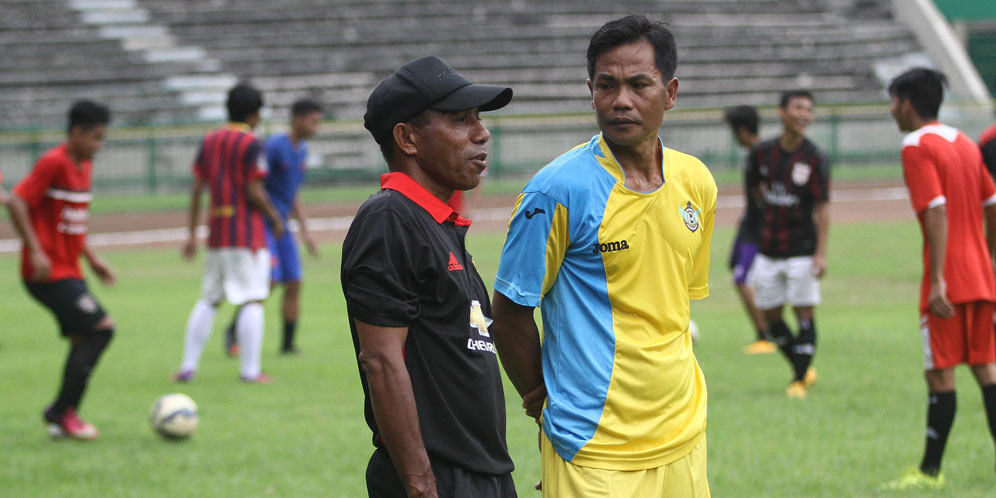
237	265
50	209
951	192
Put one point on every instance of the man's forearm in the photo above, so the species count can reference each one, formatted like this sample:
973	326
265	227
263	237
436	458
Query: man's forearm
517	340
821	218
990	216
935	226
394	409
194	210
22	222
256	193
301	218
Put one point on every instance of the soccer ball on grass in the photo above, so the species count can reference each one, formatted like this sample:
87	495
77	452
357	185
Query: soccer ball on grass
174	416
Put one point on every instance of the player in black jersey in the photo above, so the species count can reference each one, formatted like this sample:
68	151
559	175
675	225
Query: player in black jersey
790	176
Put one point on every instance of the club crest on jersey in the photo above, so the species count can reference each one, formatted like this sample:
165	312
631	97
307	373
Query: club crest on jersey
690	216
800	173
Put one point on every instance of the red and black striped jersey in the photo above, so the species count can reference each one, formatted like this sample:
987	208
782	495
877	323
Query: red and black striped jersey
229	159
57	192
791	184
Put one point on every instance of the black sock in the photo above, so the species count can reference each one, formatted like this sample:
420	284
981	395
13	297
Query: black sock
783	338
989	400
763	335
82	359
940	417
804	348
289	328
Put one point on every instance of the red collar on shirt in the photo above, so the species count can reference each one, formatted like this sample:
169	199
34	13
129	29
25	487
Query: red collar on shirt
409	188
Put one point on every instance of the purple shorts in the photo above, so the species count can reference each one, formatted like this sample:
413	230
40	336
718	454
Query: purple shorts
741	258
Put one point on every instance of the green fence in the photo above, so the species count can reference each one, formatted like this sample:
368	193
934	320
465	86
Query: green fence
158	158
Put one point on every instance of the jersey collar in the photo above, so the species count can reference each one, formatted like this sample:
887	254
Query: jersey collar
409	188
237	126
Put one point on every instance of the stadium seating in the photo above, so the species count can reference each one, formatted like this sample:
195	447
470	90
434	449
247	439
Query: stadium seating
729	51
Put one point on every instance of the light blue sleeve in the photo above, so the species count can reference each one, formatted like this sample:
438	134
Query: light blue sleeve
534	248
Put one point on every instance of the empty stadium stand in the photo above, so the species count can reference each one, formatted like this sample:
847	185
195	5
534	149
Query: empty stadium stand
157	61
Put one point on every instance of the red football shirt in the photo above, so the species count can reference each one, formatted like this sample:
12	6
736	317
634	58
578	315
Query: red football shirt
942	166
57	192
227	162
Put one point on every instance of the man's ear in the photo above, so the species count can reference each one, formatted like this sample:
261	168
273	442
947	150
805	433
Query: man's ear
406	137
672	93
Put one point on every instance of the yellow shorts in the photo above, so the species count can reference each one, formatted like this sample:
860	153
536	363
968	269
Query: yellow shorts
685	478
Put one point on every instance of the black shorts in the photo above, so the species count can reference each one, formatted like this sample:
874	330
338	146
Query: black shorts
76	310
451	482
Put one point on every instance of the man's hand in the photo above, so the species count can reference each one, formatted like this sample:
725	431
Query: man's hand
189	249
278	228
533	402
103	270
310	244
819	266
938	300
41	265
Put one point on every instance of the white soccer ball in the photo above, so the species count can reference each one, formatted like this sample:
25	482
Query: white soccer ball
174	416
693	329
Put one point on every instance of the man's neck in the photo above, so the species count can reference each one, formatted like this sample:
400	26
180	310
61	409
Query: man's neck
641	164
791	141
294	138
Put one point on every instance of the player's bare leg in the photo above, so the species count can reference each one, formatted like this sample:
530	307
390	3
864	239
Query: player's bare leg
290	308
763	344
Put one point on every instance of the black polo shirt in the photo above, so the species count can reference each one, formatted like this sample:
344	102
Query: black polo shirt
404	264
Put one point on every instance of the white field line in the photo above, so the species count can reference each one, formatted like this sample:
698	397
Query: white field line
341	223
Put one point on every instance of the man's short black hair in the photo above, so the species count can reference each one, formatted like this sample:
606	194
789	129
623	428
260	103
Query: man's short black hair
923	87
787	97
631	29
742	116
87	114
244	100
304	106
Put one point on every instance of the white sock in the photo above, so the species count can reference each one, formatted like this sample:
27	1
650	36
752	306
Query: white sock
250	333
198	332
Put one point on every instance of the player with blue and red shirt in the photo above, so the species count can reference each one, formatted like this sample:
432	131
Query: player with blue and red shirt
50	209
286	159
237	265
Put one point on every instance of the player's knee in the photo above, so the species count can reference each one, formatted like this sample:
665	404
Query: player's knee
106	323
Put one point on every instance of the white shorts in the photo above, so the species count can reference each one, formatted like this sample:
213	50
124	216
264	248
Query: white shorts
239	274
780	280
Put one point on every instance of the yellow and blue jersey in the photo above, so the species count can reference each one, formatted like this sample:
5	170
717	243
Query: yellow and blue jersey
613	270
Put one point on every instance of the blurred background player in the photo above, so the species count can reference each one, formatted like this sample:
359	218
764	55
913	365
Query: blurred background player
50	208
950	189
987	143
237	264
743	122
790	177
286	160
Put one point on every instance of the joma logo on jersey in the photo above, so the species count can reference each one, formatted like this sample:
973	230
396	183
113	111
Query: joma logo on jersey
615	245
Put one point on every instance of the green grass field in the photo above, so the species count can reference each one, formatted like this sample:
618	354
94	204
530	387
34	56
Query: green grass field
304	435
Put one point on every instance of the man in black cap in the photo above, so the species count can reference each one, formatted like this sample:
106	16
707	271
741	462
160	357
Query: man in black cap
418	310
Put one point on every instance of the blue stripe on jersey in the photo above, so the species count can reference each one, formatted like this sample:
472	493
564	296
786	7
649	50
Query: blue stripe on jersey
577	363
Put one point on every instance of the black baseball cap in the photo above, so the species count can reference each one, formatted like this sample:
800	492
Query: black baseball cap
426	83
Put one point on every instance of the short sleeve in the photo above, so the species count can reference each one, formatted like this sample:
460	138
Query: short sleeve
922	179
698	281
380	271
535	245
32	187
